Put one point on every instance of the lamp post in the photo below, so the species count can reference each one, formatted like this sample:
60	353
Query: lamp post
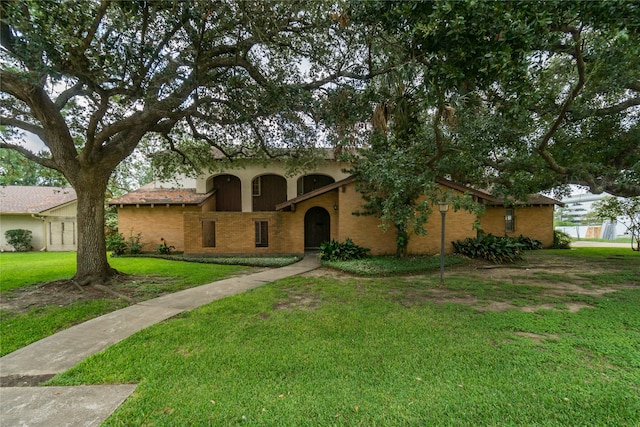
443	207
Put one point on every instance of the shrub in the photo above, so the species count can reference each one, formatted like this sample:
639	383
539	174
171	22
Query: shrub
347	251
561	240
491	248
20	239
163	248
528	244
116	244
121	246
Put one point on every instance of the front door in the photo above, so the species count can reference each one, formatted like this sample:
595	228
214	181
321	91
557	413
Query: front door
317	227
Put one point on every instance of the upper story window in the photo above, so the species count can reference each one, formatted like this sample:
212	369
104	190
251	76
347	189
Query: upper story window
256	186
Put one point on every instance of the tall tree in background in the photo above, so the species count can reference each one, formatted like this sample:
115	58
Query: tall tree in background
93	78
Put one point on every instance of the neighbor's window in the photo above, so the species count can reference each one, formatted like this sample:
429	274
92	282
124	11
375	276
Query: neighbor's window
509	221
255	187
209	234
262	234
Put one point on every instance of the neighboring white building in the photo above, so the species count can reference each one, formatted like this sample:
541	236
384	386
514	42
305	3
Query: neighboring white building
48	212
577	207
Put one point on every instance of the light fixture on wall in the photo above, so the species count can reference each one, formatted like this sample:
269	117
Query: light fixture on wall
443	207
335	206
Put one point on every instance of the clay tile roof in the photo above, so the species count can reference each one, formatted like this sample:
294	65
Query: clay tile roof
17	199
161	196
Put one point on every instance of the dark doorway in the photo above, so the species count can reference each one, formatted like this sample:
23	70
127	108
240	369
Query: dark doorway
317	227
228	193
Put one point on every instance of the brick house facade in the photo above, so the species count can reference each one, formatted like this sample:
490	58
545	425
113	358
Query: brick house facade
259	211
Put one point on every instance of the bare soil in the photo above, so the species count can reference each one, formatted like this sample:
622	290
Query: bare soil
65	292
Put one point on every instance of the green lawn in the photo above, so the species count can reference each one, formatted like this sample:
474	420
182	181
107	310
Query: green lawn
21	270
308	351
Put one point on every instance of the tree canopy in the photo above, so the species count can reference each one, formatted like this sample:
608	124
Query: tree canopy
93	78
522	97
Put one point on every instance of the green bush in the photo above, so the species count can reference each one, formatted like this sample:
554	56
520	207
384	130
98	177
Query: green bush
20	239
528	244
120	246
491	248
336	251
561	240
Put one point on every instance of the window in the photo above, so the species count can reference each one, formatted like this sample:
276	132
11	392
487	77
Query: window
262	234
509	221
256	187
208	233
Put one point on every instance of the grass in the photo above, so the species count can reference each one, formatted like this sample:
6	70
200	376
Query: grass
20	270
353	355
28	268
309	351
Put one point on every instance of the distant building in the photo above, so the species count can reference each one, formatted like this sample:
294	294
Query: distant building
576	211
48	212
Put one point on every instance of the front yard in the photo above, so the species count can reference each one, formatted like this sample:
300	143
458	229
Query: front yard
552	341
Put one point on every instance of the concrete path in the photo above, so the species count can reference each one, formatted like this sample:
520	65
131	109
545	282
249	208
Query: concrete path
91	405
586	244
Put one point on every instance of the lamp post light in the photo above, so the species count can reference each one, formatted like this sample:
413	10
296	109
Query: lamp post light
443	207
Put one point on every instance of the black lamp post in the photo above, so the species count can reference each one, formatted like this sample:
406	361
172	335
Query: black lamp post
443	207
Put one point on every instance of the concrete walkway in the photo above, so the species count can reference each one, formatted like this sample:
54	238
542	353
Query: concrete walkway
91	405
586	244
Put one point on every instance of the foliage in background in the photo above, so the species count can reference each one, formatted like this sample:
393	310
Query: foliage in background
627	210
492	248
333	250
561	240
19	238
16	170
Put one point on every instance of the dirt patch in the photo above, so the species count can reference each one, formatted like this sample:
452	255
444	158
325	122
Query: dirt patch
64	292
537	338
540	283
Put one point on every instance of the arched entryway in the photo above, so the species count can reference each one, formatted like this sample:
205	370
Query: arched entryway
317	227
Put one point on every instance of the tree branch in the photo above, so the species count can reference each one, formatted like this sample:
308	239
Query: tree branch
49	163
29	127
546	139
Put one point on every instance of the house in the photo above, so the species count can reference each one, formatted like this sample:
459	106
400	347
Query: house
260	209
48	212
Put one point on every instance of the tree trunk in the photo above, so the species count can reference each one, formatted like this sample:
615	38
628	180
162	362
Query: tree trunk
92	265
402	241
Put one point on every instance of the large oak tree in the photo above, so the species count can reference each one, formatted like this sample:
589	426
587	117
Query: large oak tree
93	78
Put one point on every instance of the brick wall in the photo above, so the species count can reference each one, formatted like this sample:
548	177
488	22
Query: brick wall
235	231
365	230
159	221
535	222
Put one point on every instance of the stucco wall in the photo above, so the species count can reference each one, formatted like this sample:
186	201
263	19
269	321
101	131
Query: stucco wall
535	222
249	171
